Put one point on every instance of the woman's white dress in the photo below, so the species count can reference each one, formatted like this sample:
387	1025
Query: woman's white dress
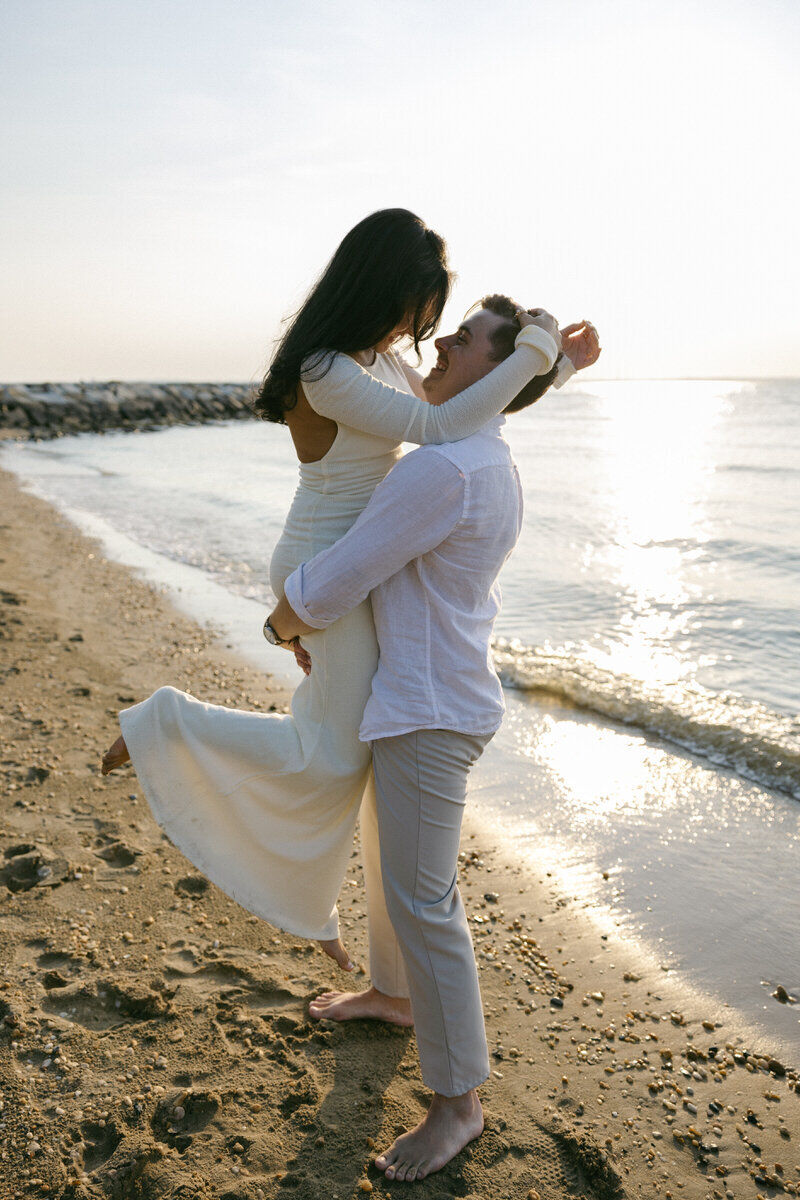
265	804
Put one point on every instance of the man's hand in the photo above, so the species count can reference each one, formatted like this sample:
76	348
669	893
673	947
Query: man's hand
581	344
301	655
542	318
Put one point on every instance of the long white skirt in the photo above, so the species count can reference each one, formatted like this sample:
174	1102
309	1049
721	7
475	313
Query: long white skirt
266	804
263	804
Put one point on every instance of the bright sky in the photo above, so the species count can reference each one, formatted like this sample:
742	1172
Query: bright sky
177	172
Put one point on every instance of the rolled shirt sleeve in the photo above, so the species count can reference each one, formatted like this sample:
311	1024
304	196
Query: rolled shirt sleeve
566	370
411	511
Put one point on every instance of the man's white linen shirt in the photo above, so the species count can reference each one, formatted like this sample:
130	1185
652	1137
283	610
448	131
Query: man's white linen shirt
428	547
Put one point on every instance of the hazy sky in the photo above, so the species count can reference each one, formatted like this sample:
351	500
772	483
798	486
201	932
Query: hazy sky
177	172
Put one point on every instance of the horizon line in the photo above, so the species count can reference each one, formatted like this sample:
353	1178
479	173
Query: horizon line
250	383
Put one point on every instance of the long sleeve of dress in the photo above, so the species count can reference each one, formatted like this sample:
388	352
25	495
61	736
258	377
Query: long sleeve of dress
351	396
413	376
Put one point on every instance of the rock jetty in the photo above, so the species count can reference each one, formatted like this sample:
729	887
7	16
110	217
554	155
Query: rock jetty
47	410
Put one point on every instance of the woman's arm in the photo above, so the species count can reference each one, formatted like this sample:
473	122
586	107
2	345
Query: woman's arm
414	378
351	396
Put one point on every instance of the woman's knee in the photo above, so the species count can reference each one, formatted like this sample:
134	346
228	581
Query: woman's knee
168	702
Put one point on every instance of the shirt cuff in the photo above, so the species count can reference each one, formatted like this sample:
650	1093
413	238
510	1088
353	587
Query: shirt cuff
539	339
566	369
293	591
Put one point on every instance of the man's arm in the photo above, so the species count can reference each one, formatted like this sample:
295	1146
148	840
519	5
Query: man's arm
286	623
411	512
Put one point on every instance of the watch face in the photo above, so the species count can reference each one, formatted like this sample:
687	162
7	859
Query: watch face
270	634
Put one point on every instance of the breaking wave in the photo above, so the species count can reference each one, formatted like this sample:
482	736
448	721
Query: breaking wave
728	730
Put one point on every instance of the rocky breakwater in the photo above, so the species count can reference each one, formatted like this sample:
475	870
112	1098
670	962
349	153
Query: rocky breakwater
46	410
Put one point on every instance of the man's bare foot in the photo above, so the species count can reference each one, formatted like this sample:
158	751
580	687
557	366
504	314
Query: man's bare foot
335	948
449	1125
353	1006
117	756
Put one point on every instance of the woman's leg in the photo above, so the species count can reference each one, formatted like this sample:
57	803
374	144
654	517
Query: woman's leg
264	803
387	997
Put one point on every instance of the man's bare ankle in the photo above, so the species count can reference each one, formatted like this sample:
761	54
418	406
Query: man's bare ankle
379	995
462	1105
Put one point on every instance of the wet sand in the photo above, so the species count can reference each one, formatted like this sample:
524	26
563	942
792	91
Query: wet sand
155	1039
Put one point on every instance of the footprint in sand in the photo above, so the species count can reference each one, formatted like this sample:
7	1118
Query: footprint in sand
94	832
307	1095
29	864
54	979
546	1160
224	979
182	1115
37	774
99	1143
118	855
56	966
107	1005
56	959
192	885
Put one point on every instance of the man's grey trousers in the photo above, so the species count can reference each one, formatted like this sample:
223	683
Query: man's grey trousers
420	793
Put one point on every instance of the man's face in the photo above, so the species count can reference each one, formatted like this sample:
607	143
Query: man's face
464	357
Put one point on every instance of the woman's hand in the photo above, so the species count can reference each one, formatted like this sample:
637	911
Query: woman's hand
542	318
581	344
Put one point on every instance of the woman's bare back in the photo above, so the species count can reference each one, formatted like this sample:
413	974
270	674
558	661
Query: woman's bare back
312	434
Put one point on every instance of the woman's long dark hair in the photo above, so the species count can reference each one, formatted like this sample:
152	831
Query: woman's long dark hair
388	268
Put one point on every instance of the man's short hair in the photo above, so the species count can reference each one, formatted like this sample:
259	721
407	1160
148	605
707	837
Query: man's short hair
503	338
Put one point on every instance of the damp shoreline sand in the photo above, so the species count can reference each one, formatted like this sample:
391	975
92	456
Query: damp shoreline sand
155	1039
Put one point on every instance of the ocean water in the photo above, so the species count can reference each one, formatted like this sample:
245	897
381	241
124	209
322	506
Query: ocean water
648	641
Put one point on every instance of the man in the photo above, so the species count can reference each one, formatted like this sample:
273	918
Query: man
428	548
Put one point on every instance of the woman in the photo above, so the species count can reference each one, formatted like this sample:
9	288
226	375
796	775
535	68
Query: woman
265	804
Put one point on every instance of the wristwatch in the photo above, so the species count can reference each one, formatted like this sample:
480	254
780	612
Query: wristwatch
272	637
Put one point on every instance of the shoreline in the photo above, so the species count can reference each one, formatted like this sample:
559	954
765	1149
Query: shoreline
121	956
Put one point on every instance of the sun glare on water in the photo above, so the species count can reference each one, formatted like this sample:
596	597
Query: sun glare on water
659	455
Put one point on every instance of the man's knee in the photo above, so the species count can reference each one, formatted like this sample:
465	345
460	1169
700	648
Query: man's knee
424	905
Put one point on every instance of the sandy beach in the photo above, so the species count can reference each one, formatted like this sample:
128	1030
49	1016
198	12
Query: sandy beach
155	1040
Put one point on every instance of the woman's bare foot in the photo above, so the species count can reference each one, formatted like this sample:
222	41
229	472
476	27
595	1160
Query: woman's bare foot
353	1006
449	1125
117	756
335	948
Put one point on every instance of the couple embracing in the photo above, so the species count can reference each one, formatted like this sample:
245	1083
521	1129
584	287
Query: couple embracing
386	574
